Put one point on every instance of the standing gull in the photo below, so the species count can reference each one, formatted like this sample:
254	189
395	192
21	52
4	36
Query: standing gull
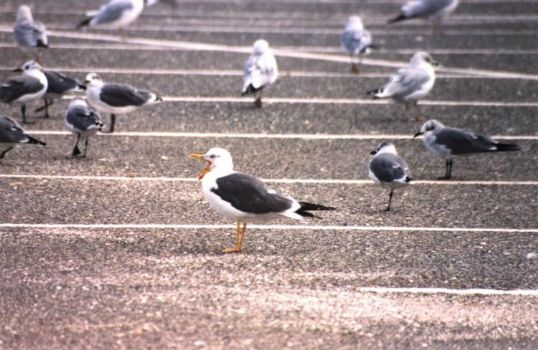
244	198
11	134
356	41
27	32
388	169
57	86
259	71
116	98
432	10
116	14
411	83
83	121
450	142
25	88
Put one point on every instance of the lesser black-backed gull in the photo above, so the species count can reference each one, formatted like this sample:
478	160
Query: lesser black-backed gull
244	198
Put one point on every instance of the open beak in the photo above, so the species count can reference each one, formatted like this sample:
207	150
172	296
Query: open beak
200	157
418	134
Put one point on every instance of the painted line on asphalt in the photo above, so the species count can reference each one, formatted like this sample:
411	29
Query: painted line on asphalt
268	136
360	182
283	53
449	291
337	101
275	227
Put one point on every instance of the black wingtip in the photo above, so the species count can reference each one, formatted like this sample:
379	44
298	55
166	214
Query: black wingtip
408	179
398	18
373	93
507	147
306	207
159	99
35	141
82	87
84	23
40	43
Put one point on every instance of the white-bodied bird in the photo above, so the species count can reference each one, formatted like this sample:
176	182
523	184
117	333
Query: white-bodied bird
83	121
26	88
244	198
259	71
356	41
116	14
116	98
432	10
27	32
449	142
411	83
388	169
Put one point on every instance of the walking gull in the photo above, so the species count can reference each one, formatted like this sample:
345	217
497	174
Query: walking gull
433	10
259	71
27	32
388	169
25	88
83	121
57	86
116	14
116	98
12	134
244	198
411	83
450	142
355	40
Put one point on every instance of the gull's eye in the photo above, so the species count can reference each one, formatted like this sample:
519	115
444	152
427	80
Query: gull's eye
212	156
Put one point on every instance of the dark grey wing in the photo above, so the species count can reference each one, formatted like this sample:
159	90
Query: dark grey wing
249	195
11	132
83	118
59	83
463	142
388	167
112	12
18	86
118	95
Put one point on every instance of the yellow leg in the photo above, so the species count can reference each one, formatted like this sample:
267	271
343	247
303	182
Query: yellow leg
239	235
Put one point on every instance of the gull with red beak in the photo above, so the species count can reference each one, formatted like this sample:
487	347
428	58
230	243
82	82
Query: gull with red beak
244	198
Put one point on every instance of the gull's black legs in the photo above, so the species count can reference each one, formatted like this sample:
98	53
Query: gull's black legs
76	150
390	199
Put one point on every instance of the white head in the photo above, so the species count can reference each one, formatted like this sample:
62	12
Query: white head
431	125
29	66
260	46
93	79
150	2
355	22
385	147
422	57
217	159
24	13
78	102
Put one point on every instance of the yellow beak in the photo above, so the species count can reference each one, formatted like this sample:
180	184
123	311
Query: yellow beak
205	170
196	156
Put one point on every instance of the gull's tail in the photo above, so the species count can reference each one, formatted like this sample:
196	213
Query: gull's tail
507	147
306	207
34	141
375	93
399	18
84	23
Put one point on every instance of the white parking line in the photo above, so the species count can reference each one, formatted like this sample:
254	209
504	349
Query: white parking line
284	53
352	101
360	182
268	136
448	291
274	227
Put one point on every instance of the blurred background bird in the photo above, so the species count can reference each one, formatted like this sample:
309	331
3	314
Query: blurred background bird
260	70
356	41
